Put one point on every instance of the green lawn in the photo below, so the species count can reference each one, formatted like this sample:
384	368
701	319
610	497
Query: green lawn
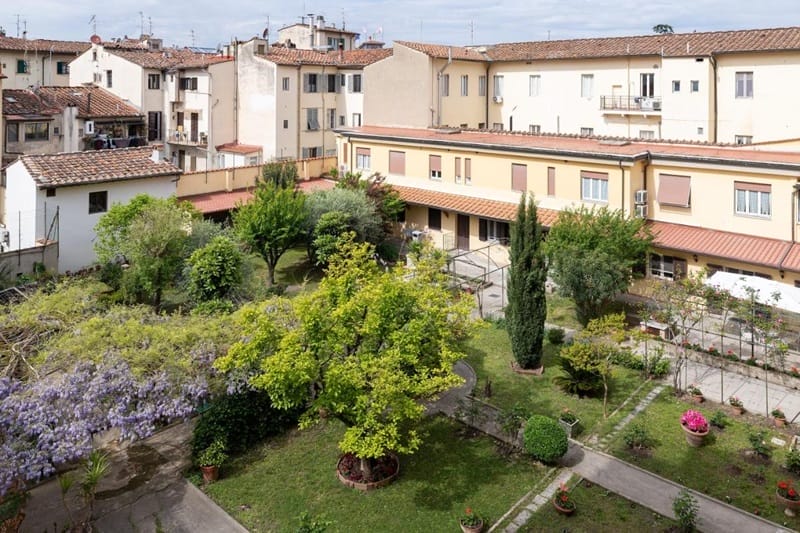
268	488
489	353
598	510
561	311
720	468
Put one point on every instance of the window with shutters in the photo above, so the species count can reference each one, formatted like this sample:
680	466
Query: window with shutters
519	177
355	83
153	81
356	120
744	85
363	158
667	267
62	67
445	81
587	85
22	66
285	83
312	119
397	162
467	171
551	181
457	170
465	85
434	219
594	186
493	230
754	199
498	86
310	83
332	87
435	164
674	190
154	125
188	84
481	85
109	79
534	84
331	118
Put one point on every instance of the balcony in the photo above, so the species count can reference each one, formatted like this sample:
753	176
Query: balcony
625	105
180	136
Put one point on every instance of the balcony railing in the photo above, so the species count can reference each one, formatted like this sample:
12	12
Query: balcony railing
634	104
187	137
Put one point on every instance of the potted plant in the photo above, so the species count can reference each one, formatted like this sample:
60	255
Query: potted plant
471	522
211	459
695	426
696	393
779	417
736	404
787	496
568	420
562	501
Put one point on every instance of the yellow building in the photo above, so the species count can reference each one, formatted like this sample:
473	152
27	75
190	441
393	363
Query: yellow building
721	208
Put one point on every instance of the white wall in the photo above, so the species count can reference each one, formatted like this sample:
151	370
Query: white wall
688	115
42	69
126	77
259	121
20	205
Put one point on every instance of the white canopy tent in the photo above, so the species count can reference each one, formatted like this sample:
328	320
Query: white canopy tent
765	291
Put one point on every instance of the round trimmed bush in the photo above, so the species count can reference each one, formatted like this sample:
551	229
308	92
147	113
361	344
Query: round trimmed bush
544	439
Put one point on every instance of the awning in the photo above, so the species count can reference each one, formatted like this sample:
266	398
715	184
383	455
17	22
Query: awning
765	291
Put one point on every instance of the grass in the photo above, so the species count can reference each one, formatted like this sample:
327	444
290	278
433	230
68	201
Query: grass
268	488
597	510
719	468
561	312
294	268
489	353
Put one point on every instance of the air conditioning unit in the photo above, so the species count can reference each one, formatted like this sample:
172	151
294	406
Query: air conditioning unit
88	127
640	197
656	105
641	211
647	104
497	99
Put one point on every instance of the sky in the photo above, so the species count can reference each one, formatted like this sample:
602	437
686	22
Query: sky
210	23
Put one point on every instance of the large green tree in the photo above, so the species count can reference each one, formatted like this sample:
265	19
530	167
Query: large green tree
592	256
527	307
215	270
366	347
282	174
272	222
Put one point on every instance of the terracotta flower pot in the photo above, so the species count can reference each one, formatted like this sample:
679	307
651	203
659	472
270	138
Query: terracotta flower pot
737	410
780	422
790	507
698	398
695	439
471	529
562	510
210	473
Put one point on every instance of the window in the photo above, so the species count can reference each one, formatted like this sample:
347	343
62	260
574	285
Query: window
312	119
188	84
465	85
98	202
534	84
753	198
457	170
356	119
694	86
435	165
493	230
331	118
434	218
342	80
497	126
700	130
587	132
50	192
519	177
551	181
445	84
285	124
154	126
153	81
94	55
674	190
37	131
594	186
22	66
109	79
62	67
647	134
587	85
744	139
309	83
362	158
648	81
667	267
397	162
744	85
285	83
261	49
481	85
342	120
355	83
12	132
498	86
311	151
332	83
467	170
535	128
676	86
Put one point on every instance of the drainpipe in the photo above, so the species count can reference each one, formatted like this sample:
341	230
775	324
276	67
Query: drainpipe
713	61
439	85
622	170
299	84
486	97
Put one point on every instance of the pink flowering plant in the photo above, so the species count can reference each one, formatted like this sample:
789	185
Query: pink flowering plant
694	421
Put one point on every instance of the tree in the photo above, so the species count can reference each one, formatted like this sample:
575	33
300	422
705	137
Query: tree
272	222
366	347
663	29
592	254
215	269
386	200
282	174
329	229
112	228
362	215
527	307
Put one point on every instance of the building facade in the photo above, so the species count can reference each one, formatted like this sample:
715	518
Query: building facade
30	63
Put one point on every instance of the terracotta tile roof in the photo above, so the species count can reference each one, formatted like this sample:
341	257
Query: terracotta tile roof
44	45
722	244
281	55
170	58
362	57
572	145
441	51
237	148
216	202
792	259
50	100
95	166
669	45
469	205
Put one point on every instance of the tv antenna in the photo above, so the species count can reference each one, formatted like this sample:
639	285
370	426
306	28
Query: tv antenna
24	25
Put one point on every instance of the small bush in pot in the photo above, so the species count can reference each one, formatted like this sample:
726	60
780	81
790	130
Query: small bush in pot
544	439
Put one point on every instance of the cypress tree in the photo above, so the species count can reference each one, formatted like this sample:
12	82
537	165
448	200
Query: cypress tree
527	307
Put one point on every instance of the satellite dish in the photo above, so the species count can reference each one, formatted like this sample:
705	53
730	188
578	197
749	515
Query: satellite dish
95	39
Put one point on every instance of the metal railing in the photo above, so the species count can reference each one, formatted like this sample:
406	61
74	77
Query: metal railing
643	104
179	136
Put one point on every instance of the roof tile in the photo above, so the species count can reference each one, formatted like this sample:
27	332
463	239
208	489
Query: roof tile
441	51
43	45
92	102
169	58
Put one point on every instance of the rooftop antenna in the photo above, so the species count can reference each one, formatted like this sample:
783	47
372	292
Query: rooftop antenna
150	23
93	22
141	23
343	27
193	39
24	25
471	32
265	33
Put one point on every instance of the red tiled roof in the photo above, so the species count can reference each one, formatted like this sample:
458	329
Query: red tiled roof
722	244
361	57
237	148
170	58
216	202
44	45
21	102
281	55
95	166
441	51
469	205
50	100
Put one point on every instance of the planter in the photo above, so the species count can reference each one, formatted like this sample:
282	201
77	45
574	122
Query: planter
527	371
780	422
695	439
698	398
737	410
790	507
210	473
562	510
391	462
471	529
568	426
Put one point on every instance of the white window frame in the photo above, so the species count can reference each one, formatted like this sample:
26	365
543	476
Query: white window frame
465	85
534	85
445	80
647	134
661	266
363	161
594	190
312	118
355	83
285	83
744	84
481	85
587	132
535	128
676	86
743	139
497	81
752	203
694	86
587	85
356	120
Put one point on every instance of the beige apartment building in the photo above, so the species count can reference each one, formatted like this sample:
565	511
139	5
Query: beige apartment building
722	208
33	62
722	87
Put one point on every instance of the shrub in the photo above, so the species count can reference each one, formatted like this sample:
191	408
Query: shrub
636	437
544	439
719	420
511	420
793	461
213	455
758	441
582	365
555	336
685	508
240	420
